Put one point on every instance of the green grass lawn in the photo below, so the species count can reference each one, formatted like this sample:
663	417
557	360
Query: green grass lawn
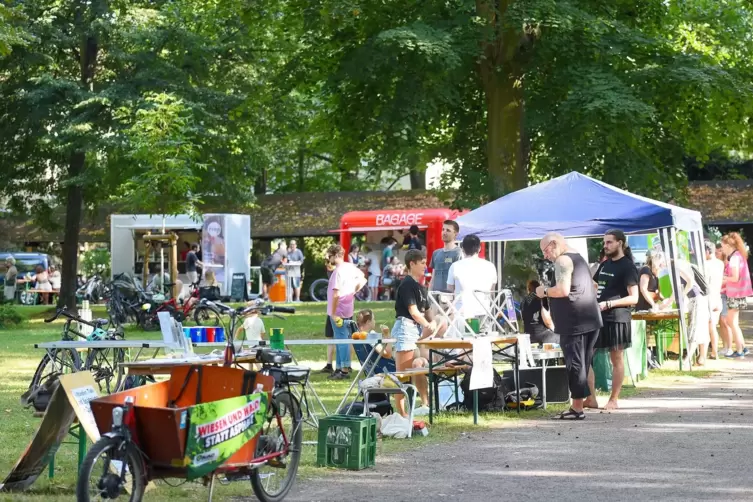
18	360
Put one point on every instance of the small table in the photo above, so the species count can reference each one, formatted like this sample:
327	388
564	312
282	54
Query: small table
443	347
654	319
164	365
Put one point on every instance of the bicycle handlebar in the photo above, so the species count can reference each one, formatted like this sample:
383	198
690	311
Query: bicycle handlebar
96	323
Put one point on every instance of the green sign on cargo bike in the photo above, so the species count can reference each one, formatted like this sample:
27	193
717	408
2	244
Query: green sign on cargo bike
219	429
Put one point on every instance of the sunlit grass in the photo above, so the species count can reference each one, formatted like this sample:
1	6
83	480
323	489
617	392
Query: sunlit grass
18	361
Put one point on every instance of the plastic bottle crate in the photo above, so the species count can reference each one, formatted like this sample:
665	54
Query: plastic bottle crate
347	442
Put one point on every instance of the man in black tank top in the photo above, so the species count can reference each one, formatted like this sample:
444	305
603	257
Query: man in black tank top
576	315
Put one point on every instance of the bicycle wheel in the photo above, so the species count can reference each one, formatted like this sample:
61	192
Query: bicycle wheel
318	290
106	482
106	367
204	316
272	481
54	364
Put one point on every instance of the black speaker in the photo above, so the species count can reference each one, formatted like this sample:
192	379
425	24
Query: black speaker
556	382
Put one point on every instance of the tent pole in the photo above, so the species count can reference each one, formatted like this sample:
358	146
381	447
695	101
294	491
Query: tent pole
677	289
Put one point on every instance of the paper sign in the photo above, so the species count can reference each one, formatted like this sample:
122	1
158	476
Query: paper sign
482	376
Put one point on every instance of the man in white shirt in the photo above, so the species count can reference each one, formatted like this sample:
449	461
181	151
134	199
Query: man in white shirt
714	274
374	259
472	280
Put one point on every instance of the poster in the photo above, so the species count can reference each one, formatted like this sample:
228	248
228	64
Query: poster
213	239
219	429
482	376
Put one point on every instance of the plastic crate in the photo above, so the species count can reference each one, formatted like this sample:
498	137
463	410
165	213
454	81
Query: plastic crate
347	442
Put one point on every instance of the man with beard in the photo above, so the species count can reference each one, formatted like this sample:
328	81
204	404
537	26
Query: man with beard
617	291
442	259
575	313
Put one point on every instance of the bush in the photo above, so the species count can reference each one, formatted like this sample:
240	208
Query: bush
10	316
94	261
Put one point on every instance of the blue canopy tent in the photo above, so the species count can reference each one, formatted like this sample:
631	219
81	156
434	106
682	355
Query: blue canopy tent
576	205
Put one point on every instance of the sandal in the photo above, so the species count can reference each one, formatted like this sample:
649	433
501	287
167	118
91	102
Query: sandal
571	414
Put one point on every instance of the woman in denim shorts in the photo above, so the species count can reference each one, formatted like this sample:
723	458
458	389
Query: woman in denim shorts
411	325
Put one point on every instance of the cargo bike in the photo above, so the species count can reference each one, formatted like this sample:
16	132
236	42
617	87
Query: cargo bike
204	423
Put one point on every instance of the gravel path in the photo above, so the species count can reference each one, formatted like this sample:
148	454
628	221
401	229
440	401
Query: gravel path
682	439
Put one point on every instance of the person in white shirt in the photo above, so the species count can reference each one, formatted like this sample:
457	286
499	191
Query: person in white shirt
472	280
714	275
373	258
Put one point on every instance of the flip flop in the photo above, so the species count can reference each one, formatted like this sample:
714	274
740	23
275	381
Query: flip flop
571	414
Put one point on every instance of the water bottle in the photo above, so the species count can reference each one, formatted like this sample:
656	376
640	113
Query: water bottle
259	388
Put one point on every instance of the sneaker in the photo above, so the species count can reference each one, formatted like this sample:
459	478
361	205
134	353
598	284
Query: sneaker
421	411
339	375
746	351
728	353
327	369
737	354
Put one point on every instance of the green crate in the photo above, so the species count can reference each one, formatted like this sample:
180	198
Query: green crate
347	442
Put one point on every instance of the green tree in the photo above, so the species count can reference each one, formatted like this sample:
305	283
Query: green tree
514	91
141	102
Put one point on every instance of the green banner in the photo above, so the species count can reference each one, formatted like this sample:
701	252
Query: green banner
219	429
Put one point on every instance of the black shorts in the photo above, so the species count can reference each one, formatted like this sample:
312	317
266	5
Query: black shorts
615	336
328	331
267	275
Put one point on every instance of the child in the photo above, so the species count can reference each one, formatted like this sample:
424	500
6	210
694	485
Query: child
252	328
366	322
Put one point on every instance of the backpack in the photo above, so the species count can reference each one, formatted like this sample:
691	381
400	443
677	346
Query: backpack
40	397
489	399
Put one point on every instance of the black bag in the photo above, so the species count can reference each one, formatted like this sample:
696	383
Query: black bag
489	399
40	397
211	293
381	406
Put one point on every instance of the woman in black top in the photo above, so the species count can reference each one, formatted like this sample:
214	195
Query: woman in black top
411	325
537	321
648	284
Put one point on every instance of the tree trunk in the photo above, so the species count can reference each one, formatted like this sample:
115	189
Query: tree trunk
75	197
301	169
501	71
417	179
74	206
505	142
260	185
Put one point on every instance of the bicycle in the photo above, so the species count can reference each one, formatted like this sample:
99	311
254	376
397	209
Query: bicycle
103	363
271	467
149	320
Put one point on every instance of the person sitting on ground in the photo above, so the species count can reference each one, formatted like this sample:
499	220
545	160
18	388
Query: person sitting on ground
537	320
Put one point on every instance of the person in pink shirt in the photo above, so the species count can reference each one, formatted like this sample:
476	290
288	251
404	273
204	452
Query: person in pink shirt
345	281
737	286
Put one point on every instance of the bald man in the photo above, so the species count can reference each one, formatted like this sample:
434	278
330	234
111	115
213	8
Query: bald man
575	312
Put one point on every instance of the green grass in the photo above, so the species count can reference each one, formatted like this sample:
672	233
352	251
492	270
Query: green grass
18	360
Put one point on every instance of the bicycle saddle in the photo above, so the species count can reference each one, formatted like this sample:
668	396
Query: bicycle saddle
101	322
270	356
